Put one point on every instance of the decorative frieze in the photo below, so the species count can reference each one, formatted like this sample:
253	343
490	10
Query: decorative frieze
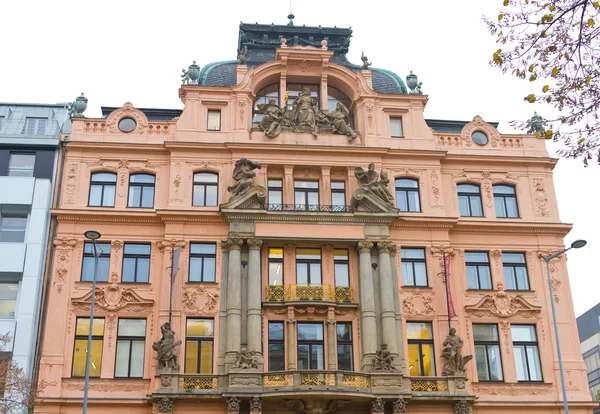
113	298
201	300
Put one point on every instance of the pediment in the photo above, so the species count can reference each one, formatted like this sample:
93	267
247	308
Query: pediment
254	198
503	305
366	201
113	298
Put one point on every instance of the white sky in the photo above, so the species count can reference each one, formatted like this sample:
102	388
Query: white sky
119	51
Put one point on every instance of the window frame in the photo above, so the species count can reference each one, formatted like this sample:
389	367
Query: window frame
308	262
136	257
275	260
143	187
398	118
527	344
342	191
103	185
85	337
204	184
514	266
271	341
503	197
306	191
344	342
202	256
487	343
406	191
199	340
9	299
460	194
208	112
412	261
270	188
22	216
263	94
310	343
477	265
102	255
345	262
10	158
421	342
36	121
131	339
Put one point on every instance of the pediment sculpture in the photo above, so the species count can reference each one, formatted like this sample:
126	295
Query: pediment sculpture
244	192
503	305
454	361
373	194
113	298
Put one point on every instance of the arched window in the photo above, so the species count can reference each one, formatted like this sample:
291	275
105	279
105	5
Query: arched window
205	192
141	191
102	189
469	200
505	200
407	195
262	97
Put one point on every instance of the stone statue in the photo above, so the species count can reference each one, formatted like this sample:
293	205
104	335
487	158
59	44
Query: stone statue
243	174
340	122
242	55
369	181
535	124
383	360
454	362
166	349
272	117
304	111
365	61
191	75
245	360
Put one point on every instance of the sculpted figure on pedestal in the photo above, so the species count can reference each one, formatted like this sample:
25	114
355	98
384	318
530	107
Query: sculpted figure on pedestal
383	360
245	360
243	174
365	61
304	111
454	362
369	181
166	349
272	117
340	121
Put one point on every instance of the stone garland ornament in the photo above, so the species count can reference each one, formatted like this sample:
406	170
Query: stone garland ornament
191	75
166	349
454	362
245	360
383	360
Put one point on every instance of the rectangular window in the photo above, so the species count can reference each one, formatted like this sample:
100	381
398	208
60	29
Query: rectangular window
131	344
487	352
308	266
87	272
136	263
396	128
505	201
527	354
214	120
592	362
203	262
414	271
82	330
311	347
275	266
21	165
341	268
306	195
141	191
344	347
12	228
469	200
206	189
276	347
338	196
199	337
421	358
103	188
478	270
515	271
275	188
8	299
34	126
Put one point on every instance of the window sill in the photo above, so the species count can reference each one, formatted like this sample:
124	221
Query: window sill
509	218
416	287
193	282
134	283
101	206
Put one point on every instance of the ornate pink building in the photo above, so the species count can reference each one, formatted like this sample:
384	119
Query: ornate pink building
308	280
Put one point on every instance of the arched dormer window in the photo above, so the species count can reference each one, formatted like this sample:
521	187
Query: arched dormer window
103	187
469	200
141	190
407	195
205	192
505	200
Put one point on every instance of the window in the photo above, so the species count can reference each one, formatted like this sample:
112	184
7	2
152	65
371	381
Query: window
131	344
479	137
294	89
396	128
102	189
214	120
407	195
205	189
420	349
136	263
276	347
275	188
505	200
306	195
469	200
203	262
8	299
141	191
275	266
12	228
34	126
414	272
87	272
340	264
199	337
338	196
592	362
515	271
308	266
527	355
262	97
21	165
344	346
310	346
82	330
127	124
334	95
487	352
1	122
478	270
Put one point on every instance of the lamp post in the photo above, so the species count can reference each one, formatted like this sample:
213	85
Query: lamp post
92	235
575	245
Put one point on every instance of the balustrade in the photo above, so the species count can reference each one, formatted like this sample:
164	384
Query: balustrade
325	293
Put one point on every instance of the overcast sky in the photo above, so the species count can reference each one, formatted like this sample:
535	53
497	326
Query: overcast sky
119	51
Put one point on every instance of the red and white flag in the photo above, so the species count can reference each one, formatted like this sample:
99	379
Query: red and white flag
451	312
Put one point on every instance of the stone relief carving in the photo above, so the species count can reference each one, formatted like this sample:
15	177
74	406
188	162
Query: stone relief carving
256	405
435	200
113	298
270	124
479	124
315	406
209	298
111	323
400	406
486	184
503	305
71	183
64	246
383	360
514	389
127	111
572	381
454	361
505	329
541	198
123	172
377	406
418	303
165	405
106	385
246	360
166	350
233	405
462	407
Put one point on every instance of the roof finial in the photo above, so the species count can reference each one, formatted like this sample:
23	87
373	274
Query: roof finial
291	16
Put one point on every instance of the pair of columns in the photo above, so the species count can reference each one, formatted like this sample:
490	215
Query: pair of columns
391	324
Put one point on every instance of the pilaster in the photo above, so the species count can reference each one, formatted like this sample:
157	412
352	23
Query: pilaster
254	296
331	345
225	245
291	344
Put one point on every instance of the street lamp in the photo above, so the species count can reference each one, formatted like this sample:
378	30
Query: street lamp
92	235
577	244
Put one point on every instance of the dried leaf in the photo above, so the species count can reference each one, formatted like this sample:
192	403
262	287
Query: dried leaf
545	88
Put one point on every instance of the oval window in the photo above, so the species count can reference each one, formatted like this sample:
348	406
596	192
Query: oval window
127	124
479	137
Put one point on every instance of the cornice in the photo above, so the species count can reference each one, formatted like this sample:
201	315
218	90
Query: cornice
187	145
466	159
116	146
190	216
560	229
307	217
425	222
276	147
78	215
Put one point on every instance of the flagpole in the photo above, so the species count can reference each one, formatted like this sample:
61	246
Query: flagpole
447	289
171	280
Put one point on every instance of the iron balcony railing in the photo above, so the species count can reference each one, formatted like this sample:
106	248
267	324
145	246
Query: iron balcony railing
325	208
324	293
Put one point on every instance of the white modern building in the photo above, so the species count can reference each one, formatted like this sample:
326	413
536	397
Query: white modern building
29	141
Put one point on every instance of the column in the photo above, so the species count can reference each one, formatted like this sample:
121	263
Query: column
291	344
234	300
398	313
325	188
331	345
225	244
254	296
367	306
386	295
288	184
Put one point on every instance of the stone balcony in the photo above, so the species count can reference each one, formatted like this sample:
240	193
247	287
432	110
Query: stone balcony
309	293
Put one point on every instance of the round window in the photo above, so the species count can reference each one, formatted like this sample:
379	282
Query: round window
479	138
127	124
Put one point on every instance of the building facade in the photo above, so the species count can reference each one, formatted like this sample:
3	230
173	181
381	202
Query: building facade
29	140
310	210
588	326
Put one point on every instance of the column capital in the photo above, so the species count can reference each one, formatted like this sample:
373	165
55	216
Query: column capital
254	244
400	406
291	321
165	405
331	321
225	246
393	250
233	405
365	246
377	406
384	246
462	407
236	244
256	405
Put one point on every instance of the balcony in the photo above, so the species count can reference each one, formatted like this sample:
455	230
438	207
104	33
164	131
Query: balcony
310	208
309	293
